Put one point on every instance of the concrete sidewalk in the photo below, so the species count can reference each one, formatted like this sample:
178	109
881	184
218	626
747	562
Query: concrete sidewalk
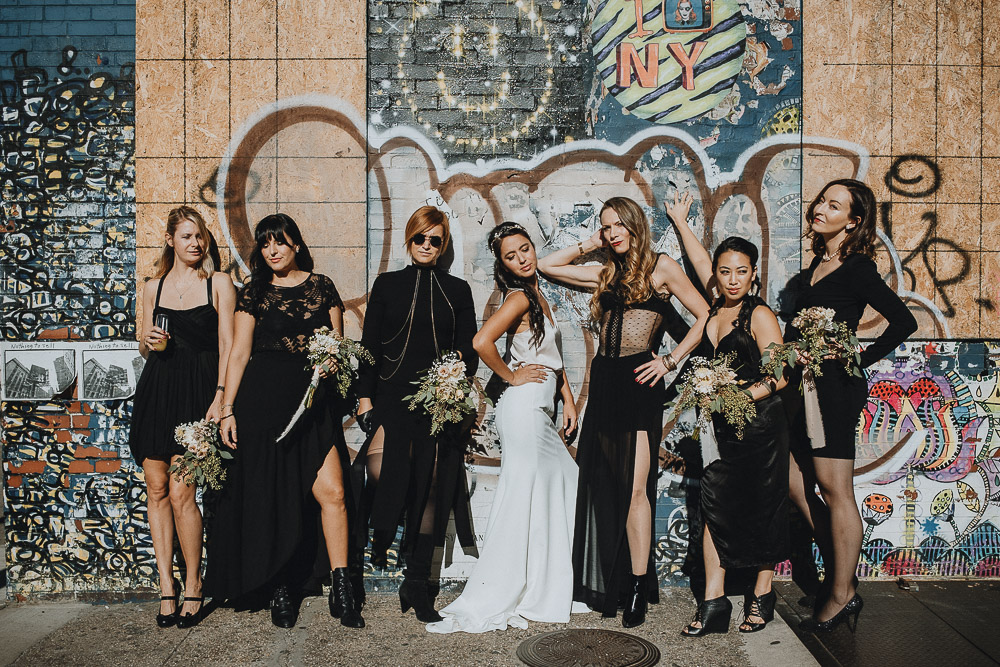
126	634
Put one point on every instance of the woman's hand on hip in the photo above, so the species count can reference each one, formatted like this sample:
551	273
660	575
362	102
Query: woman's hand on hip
528	373
652	371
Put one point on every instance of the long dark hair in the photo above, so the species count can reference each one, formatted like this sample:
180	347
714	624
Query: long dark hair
862	238
507	281
744	247
281	227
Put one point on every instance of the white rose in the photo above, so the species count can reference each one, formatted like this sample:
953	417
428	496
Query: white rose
704	386
703	373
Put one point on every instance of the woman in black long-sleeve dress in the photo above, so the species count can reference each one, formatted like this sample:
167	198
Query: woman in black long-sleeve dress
842	276
279	492
414	315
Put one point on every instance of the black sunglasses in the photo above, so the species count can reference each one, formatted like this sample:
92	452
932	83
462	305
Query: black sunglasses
418	239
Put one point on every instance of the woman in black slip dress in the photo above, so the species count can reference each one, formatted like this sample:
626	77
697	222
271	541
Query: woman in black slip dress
414	315
743	522
842	276
265	536
623	425
181	382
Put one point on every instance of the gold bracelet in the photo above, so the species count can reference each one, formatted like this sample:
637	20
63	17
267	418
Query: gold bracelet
669	363
579	246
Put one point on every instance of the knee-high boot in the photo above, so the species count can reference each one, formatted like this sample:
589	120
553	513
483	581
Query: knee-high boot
414	590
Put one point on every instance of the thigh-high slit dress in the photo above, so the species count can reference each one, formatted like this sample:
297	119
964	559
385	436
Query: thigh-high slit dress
266	526
618	408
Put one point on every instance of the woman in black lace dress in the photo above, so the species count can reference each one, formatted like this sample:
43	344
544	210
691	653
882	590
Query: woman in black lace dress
265	530
181	382
744	491
414	315
623	423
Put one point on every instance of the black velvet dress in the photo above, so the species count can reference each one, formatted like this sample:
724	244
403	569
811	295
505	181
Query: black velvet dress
414	316
848	289
266	524
618	408
744	494
178	384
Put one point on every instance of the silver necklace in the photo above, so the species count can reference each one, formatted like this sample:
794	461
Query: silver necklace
180	294
408	324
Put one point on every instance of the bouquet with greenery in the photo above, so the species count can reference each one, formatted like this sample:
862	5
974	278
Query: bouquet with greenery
445	393
711	386
340	357
203	454
821	338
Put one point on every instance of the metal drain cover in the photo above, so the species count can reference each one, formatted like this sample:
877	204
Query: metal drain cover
587	648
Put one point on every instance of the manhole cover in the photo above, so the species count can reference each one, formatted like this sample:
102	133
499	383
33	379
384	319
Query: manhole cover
582	648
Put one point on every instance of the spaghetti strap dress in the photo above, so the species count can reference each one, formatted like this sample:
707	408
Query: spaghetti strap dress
178	384
266	523
618	408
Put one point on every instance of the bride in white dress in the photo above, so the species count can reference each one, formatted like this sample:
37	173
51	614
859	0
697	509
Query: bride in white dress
525	571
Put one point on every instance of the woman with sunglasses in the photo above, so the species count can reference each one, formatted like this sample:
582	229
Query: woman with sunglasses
414	316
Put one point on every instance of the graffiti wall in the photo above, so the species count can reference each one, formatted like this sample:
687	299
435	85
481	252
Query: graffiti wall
349	115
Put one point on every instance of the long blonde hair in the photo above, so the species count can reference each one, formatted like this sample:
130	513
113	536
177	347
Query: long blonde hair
210	260
632	274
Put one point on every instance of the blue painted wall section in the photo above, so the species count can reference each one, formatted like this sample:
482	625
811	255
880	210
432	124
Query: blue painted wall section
74	505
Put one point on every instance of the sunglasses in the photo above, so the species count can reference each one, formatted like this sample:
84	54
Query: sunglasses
418	239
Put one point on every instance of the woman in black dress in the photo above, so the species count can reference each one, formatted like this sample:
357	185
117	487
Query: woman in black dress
414	315
266	529
623	425
842	276
181	382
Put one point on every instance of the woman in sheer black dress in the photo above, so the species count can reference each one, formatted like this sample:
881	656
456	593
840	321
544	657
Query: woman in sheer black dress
181	382
623	423
265	533
743	502
841	276
414	315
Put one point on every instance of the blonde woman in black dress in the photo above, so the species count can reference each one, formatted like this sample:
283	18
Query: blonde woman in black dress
623	423
181	382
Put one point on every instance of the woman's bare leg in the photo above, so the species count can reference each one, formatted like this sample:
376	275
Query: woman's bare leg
188	524
836	483
638	525
161	527
328	489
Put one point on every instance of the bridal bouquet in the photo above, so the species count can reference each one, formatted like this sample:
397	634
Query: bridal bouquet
445	393
340	356
711	385
203	454
821	338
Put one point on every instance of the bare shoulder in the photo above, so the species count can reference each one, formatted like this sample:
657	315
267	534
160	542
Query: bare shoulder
763	316
150	287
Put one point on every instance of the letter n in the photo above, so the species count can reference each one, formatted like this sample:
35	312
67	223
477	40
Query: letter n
628	62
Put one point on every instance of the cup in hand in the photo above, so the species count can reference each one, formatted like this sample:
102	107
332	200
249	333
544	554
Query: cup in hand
161	322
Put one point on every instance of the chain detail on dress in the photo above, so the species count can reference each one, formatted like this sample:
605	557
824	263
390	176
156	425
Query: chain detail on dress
408	323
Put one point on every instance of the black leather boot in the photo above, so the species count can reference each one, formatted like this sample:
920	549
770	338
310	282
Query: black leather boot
342	602
635	608
413	593
284	611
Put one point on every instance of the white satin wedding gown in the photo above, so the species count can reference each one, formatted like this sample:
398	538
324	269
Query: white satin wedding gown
525	570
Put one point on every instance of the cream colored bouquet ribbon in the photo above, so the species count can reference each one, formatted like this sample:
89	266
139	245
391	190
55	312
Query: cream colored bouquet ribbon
692	419
814	418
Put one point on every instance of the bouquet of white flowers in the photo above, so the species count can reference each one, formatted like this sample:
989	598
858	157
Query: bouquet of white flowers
445	393
340	356
711	385
202	460
822	337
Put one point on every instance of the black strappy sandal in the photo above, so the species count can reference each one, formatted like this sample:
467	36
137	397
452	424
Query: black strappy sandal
191	620
761	606
167	620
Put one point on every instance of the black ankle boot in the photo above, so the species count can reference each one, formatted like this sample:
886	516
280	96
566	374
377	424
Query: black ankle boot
413	593
635	608
713	615
284	611
342	602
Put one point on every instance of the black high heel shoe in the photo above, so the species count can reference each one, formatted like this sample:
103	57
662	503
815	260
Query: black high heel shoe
713	615
849	614
167	620
191	620
342	603
284	611
761	606
414	593
635	608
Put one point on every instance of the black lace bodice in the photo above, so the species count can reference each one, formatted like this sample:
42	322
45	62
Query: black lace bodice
632	329
287	316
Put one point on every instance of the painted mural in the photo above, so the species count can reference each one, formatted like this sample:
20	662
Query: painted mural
527	110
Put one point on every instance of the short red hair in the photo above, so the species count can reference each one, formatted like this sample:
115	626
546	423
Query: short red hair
425	218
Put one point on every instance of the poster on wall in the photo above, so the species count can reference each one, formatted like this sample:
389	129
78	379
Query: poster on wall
37	371
110	370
